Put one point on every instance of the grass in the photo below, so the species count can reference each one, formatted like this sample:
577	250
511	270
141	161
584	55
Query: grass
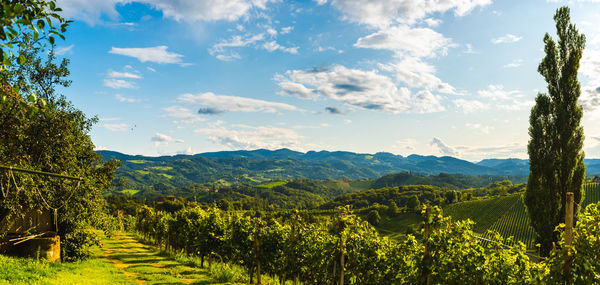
15	270
161	168
130	191
166	175
143	172
395	227
139	161
270	185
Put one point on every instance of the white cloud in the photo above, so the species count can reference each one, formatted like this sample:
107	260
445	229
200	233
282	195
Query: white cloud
157	54
273	46
251	137
236	41
433	22
419	74
404	40
119	83
286	30
235	104
508	38
151	69
479	127
443	148
126	99
366	89
383	13
185	115
469	49
115	127
64	50
470	106
188	151
514	63
91	11
272	32
159	139
497	92
117	74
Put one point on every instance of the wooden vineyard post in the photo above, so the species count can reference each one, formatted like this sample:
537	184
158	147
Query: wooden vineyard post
425	271
341	263
568	232
256	247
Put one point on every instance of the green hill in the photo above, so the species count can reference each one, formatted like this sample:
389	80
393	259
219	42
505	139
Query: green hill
507	215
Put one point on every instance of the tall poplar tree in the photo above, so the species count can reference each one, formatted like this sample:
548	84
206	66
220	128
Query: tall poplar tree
556	136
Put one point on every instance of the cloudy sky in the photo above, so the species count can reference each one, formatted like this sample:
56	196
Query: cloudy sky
451	77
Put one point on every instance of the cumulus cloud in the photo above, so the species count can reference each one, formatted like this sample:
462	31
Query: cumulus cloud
209	111
157	54
159	139
404	40
590	69
443	147
92	11
183	115
365	89
234	104
418	74
383	13
251	137
508	38
222	50
119	84
335	110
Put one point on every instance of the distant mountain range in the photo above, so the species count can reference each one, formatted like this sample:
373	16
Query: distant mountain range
256	166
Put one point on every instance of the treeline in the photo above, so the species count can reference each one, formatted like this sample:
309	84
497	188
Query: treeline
412	196
444	180
349	249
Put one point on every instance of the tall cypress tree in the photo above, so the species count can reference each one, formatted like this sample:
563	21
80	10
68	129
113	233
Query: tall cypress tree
555	148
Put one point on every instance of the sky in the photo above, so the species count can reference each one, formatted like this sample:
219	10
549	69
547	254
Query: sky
450	77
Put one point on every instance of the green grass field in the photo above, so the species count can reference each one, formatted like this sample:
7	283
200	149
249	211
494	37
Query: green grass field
161	168
130	191
138	161
272	184
122	260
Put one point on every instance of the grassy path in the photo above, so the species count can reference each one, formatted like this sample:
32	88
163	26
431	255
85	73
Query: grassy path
142	264
121	260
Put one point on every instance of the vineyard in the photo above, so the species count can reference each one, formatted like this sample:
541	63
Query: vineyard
347	250
507	215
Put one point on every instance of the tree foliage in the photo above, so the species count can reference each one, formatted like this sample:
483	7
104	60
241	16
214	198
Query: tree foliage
41	130
23	22
555	147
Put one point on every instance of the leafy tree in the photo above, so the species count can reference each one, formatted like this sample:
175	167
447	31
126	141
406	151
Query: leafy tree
26	21
42	130
555	147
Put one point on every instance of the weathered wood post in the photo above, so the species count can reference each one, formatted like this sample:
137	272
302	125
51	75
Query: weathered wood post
425	270
568	232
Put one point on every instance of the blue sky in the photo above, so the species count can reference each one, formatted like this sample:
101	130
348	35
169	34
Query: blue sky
407	76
